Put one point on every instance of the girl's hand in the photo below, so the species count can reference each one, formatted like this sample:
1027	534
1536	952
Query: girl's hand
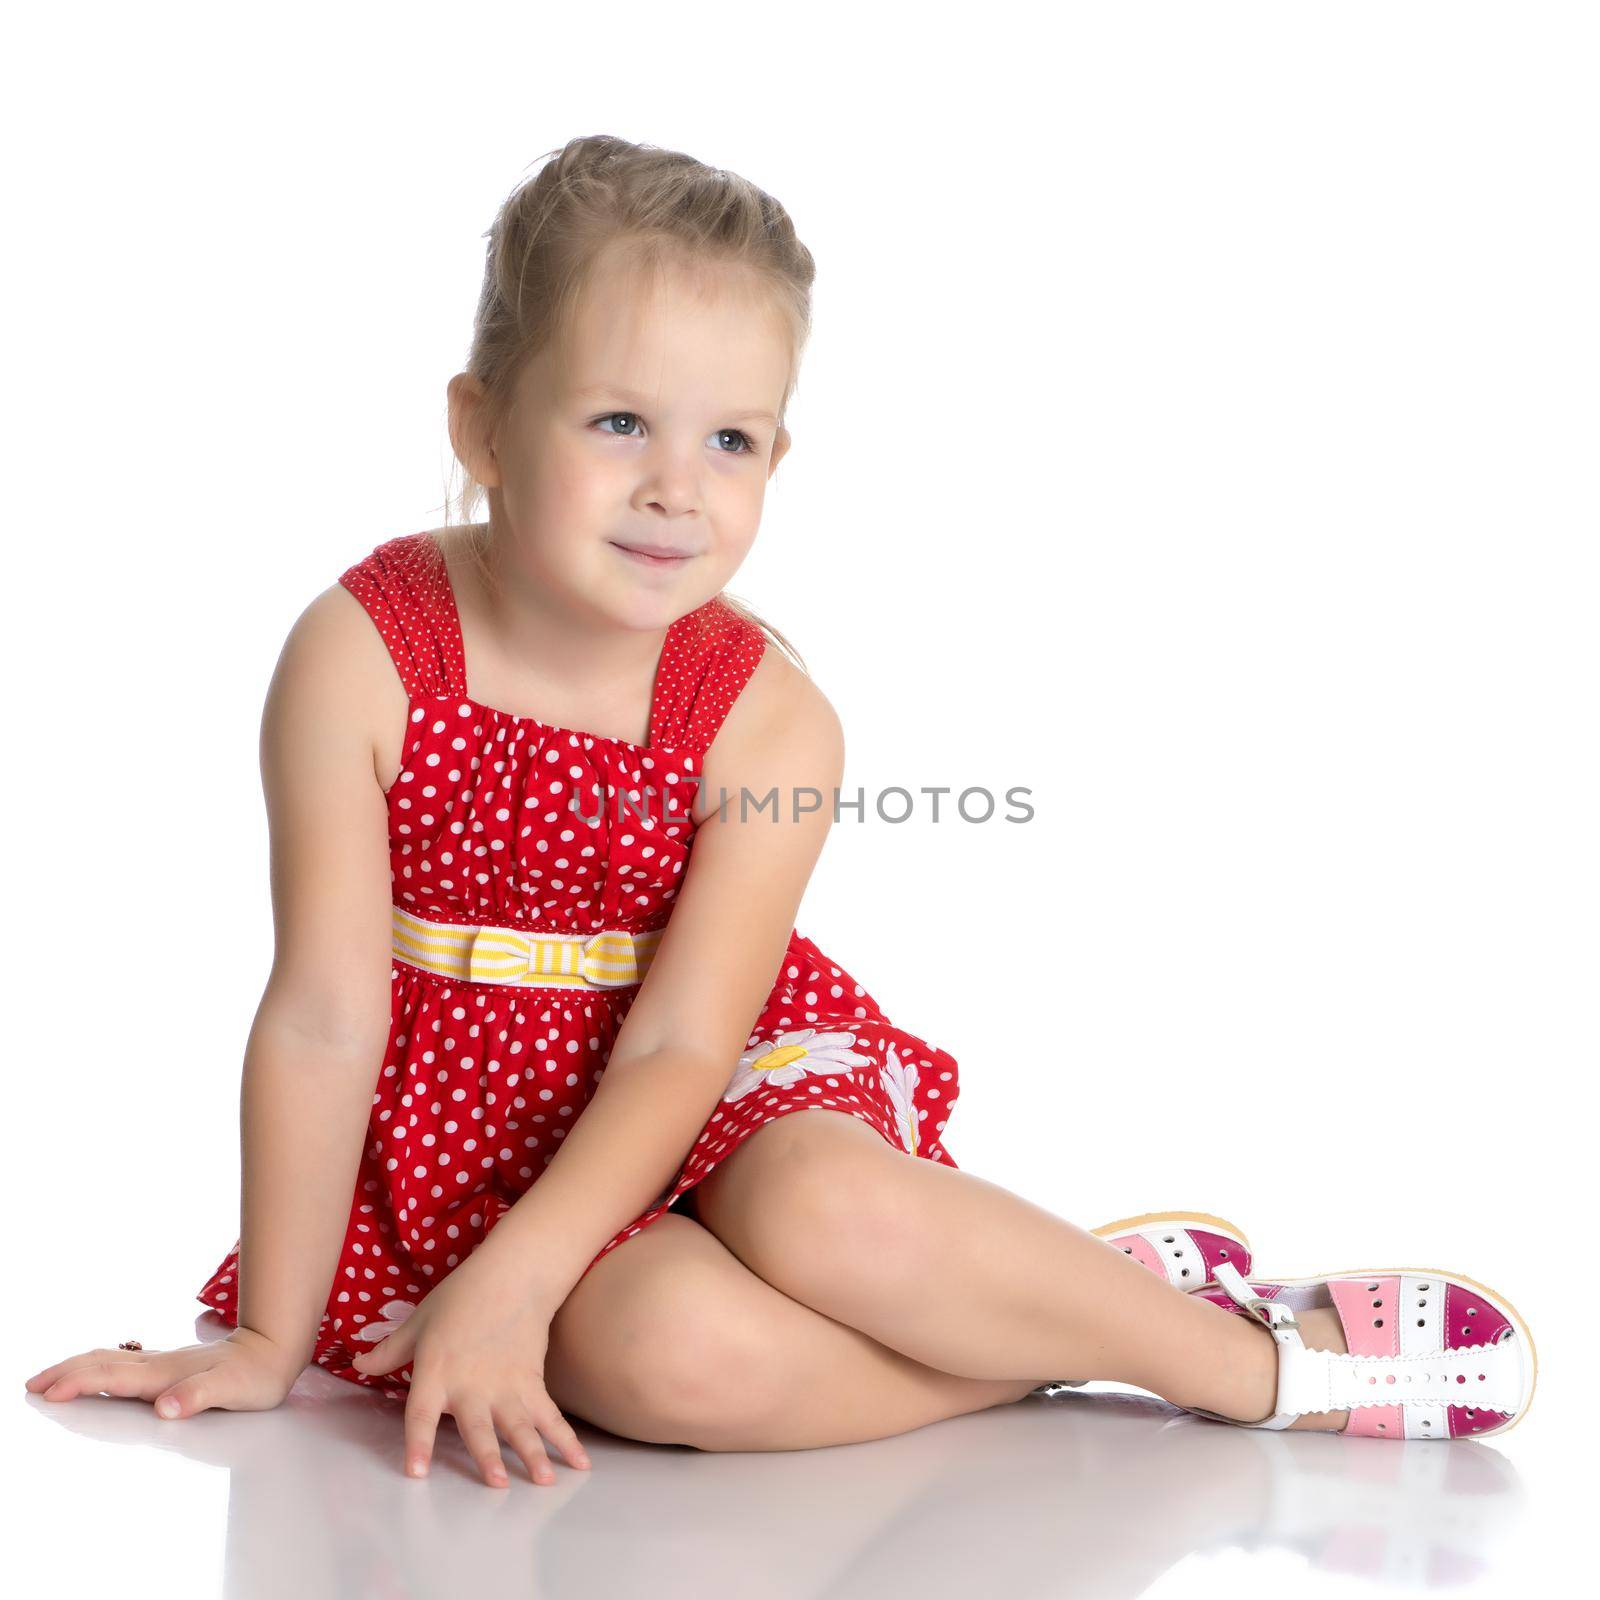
477	1347
244	1372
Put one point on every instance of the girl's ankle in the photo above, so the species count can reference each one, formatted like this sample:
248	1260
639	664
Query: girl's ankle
1321	1329
1250	1391
1257	1398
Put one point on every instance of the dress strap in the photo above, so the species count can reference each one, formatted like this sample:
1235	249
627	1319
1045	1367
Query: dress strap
405	588
709	656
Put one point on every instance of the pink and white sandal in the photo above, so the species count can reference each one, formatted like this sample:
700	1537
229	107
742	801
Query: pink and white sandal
1183	1247
1432	1355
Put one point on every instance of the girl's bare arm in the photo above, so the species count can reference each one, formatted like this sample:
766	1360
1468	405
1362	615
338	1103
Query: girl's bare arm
711	974
322	1025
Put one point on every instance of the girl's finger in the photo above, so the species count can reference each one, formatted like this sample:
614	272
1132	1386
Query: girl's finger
42	1380
368	1360
557	1428
484	1443
95	1377
185	1398
519	1428
423	1407
45	1376
388	1355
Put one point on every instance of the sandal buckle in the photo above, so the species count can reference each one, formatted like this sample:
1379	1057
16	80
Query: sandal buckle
1273	1312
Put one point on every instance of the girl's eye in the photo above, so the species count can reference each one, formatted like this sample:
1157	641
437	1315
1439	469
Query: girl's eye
745	446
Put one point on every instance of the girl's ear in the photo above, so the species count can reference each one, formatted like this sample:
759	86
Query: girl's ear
780	448
474	450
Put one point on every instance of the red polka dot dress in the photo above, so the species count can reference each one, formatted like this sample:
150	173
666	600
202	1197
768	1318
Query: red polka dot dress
504	830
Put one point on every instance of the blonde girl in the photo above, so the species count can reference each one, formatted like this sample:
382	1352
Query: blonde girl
516	1128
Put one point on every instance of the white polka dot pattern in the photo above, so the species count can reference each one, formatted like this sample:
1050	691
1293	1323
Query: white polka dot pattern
480	1082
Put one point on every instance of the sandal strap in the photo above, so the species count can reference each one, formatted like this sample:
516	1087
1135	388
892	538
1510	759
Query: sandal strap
1298	1372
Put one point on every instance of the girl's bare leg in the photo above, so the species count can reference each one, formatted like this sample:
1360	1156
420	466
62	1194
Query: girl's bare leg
966	1277
671	1340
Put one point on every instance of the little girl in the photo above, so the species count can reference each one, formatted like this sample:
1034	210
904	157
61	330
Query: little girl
519	1084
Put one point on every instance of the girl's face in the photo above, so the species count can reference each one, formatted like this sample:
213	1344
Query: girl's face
657	433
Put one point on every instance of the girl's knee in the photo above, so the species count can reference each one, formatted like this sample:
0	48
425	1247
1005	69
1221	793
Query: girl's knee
822	1201
675	1355
699	1362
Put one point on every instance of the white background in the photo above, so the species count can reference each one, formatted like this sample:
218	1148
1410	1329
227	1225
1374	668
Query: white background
1198	429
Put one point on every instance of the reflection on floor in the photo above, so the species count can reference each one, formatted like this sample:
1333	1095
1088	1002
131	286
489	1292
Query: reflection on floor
1093	1492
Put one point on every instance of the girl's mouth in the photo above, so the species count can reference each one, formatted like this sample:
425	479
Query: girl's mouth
651	559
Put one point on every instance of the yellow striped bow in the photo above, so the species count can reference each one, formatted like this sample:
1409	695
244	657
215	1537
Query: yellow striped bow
606	959
609	958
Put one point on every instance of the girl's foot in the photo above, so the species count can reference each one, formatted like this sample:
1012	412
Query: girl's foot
1408	1354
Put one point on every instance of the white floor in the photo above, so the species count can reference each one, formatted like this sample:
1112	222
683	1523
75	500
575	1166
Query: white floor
1099	1492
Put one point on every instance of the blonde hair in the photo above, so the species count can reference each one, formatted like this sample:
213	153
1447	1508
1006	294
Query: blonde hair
600	195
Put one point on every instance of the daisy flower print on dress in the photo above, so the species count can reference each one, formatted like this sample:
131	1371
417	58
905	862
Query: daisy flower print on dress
791	1057
900	1078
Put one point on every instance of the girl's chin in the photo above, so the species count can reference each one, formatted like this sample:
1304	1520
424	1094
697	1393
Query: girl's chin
646	606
